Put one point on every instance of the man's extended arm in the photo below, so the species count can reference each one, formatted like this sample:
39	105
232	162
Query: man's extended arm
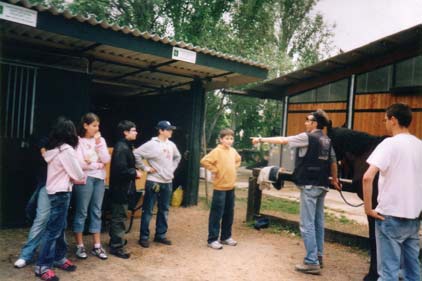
274	140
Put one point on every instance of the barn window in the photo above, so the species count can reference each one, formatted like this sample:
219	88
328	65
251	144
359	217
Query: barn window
336	91
17	100
378	80
409	72
308	96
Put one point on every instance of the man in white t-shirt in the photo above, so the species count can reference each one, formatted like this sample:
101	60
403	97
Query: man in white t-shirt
316	161
398	159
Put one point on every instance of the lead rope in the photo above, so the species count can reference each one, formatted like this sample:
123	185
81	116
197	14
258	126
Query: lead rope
348	203
342	196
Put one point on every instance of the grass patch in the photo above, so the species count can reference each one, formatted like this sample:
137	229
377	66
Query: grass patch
329	217
278	227
280	205
293	208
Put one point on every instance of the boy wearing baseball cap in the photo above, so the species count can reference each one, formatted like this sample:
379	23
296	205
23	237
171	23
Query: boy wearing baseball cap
163	158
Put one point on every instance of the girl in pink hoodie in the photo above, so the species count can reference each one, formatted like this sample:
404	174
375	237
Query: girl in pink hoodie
63	168
93	155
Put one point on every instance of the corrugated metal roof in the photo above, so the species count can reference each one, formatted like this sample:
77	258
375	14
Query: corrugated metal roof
137	33
339	62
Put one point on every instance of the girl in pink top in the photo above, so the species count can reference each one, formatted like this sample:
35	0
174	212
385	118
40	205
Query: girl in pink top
63	168
93	155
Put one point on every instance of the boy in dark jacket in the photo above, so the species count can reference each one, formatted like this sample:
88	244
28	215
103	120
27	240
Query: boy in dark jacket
122	179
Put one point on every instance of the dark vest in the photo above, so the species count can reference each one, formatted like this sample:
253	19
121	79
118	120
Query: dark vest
314	167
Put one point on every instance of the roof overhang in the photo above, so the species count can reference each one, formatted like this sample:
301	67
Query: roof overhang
398	46
136	63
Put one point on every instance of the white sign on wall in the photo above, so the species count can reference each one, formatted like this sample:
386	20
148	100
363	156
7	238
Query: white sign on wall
18	14
183	55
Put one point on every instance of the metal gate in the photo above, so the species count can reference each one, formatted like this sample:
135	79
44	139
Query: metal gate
17	106
18	89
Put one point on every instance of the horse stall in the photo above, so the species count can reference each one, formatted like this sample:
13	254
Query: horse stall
354	88
55	63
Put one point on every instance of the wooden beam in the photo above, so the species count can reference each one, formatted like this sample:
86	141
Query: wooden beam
152	68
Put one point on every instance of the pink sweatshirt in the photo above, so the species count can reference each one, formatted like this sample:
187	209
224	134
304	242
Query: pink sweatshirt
96	154
63	166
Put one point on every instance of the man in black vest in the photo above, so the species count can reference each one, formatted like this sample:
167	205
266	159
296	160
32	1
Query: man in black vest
315	162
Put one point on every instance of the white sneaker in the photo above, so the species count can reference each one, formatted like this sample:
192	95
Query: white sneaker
215	245
230	242
81	253
20	263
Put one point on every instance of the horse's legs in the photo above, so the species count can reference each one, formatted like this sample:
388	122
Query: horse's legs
372	250
373	273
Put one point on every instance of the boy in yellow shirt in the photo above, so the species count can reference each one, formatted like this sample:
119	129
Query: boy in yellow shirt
222	161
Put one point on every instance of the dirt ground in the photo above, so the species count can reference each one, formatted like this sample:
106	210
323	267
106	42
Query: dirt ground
260	255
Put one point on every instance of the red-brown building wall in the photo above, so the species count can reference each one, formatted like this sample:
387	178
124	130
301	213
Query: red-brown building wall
369	111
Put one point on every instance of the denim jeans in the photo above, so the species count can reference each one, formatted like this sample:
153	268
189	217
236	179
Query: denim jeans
88	202
398	239
312	222
162	196
222	211
38	226
54	248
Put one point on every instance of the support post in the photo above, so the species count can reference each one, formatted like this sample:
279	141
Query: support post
351	101
190	195
254	197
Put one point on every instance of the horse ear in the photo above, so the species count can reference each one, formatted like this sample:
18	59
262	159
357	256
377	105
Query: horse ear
329	125
330	128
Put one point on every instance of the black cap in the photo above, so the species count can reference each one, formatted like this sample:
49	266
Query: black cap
165	125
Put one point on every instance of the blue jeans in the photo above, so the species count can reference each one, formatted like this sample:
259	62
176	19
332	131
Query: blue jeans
222	211
312	222
54	249
38	226
163	197
88	202
398	239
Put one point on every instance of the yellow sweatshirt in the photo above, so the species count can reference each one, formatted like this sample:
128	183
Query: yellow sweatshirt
222	161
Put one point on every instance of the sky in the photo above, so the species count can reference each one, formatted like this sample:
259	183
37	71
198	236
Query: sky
359	22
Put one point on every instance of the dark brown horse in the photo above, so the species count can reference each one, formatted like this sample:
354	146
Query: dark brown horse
352	149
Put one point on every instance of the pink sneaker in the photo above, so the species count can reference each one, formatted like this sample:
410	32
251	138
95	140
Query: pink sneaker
48	275
67	266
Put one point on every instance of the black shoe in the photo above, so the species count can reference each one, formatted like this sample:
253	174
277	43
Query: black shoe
371	277
164	241
144	243
321	263
120	253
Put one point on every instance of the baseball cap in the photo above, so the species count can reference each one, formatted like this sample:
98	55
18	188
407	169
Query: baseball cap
165	125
